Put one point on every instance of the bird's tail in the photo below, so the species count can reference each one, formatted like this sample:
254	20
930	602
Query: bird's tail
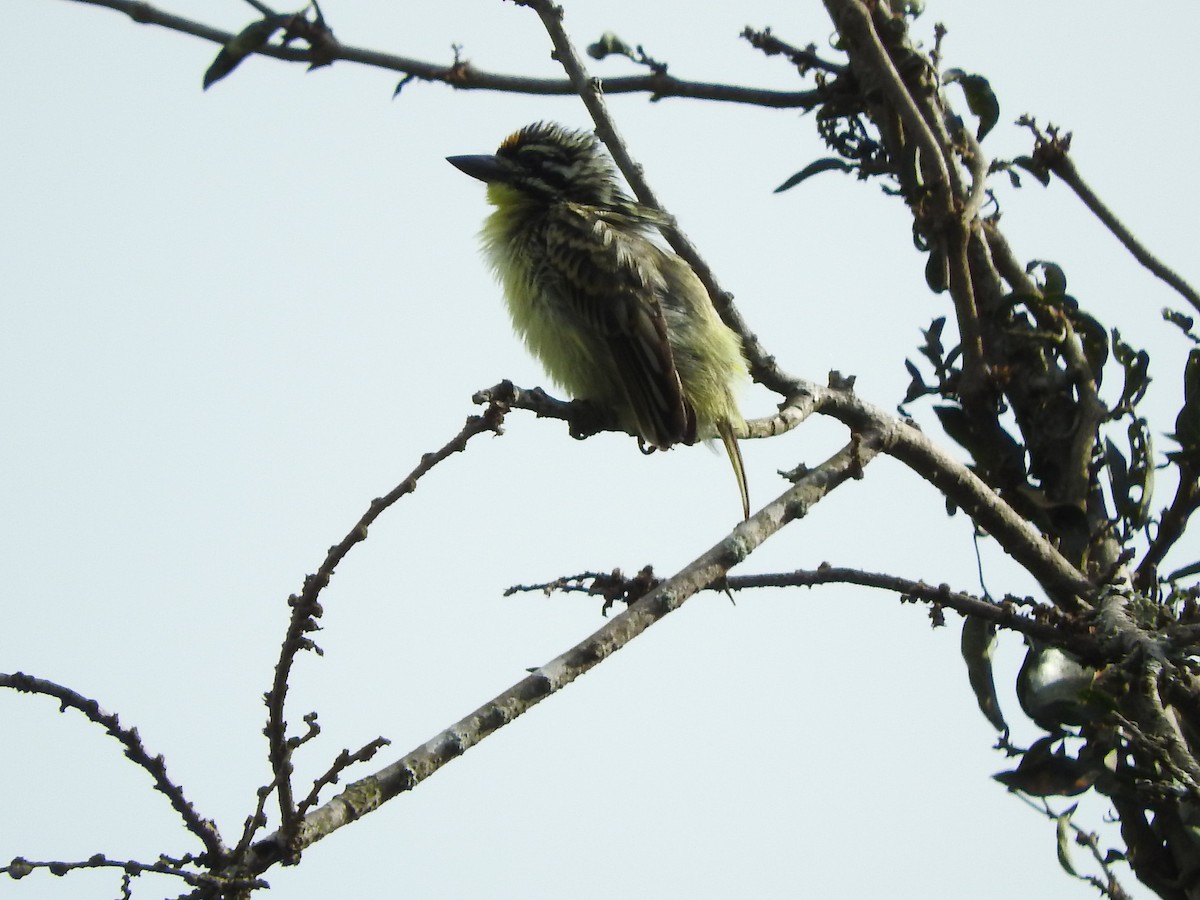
729	439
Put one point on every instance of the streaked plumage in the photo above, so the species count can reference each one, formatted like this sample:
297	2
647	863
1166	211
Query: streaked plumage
613	317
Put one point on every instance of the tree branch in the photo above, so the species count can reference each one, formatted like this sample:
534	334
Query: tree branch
591	91
1005	614
1067	587
135	751
464	76
1061	164
370	793
805	59
943	208
852	19
1170	527
306	609
20	867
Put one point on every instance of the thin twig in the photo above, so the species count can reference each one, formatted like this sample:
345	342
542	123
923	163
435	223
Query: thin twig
1063	166
1089	839
306	609
466	77
804	59
1171	527
1004	614
344	760
20	867
135	751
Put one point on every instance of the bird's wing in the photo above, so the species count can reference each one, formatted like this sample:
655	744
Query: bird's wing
612	278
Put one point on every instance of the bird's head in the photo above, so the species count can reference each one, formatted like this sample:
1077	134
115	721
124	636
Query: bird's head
549	163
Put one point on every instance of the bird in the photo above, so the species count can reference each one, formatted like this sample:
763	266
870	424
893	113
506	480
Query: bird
614	317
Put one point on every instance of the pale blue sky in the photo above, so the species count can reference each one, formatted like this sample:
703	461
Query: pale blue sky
232	318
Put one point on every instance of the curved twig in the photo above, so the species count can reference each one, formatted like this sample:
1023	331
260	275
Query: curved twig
135	751
306	609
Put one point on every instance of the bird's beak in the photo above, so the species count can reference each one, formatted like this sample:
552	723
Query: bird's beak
485	168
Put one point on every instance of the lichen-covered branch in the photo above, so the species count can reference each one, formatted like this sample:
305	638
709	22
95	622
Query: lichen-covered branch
368	794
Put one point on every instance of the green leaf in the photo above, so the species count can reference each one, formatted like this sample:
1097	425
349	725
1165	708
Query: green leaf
981	99
249	40
829	164
1036	169
917	387
978	645
1183	322
608	45
1141	474
933	334
1132	483
1136	366
1094	338
932	349
1118	473
955	424
1054	279
937	270
1187	423
996	454
1063	829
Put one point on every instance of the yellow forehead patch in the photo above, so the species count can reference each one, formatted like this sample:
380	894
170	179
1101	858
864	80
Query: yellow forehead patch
512	140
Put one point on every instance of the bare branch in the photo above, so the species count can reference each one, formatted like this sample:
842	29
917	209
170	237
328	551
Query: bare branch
135	751
1005	613
20	868
1053	154
306	609
947	215
805	59
344	760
